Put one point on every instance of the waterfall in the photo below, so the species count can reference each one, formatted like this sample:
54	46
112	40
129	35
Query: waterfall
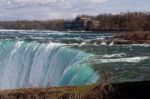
32	64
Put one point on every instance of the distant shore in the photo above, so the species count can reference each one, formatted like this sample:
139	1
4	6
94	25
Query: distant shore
129	21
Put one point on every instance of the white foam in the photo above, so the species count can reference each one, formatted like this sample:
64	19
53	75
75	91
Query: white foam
114	55
17	46
116	60
83	43
103	43
111	44
130	60
141	45
11	30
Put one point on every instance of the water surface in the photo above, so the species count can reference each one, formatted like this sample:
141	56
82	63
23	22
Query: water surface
52	58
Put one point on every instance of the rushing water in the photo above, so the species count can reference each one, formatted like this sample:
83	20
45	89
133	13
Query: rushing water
48	58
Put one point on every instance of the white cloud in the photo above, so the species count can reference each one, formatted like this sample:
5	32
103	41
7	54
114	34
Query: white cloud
95	1
55	1
49	1
50	9
62	4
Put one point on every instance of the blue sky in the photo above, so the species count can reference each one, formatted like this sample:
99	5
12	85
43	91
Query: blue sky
58	9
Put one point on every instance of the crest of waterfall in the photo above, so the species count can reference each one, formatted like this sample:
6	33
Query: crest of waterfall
31	64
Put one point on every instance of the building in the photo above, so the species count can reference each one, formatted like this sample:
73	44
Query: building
93	25
80	23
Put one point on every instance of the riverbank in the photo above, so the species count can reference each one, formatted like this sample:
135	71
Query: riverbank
132	90
46	93
137	37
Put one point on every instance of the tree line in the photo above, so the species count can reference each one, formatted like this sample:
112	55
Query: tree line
132	21
124	21
36	24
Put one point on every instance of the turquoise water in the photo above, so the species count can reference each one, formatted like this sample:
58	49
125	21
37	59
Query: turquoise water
32	64
51	58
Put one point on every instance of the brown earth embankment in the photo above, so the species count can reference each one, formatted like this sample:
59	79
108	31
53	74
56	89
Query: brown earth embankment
129	90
